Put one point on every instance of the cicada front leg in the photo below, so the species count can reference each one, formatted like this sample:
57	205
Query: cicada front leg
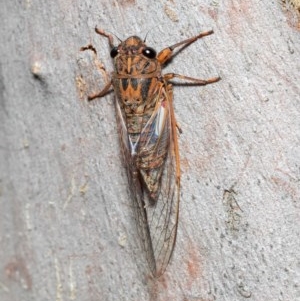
105	90
167	53
107	35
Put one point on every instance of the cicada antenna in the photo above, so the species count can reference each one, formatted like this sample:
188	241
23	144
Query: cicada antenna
117	37
147	33
146	36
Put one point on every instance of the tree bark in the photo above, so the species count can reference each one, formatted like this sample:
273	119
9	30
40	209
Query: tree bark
67	229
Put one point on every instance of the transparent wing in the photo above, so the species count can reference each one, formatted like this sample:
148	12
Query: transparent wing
136	189
154	181
163	216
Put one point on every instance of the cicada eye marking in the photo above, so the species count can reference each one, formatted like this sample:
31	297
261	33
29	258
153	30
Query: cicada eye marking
114	52
149	53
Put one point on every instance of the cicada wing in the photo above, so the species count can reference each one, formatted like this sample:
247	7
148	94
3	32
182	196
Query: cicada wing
156	210
162	213
162	219
136	188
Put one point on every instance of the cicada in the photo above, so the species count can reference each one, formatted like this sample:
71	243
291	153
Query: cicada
148	138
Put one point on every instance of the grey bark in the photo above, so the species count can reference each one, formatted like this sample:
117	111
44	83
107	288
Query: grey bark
67	231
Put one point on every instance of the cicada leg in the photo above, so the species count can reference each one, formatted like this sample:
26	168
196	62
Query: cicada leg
178	127
198	81
167	53
90	47
107	35
101	93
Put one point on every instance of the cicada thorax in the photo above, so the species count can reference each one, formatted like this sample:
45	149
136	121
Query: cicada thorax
139	90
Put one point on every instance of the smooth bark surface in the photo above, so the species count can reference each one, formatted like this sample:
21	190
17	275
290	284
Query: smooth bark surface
66	225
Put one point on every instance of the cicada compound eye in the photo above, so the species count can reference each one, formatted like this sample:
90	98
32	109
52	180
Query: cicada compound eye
114	52
149	52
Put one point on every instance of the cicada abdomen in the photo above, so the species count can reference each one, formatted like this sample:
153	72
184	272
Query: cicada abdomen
148	138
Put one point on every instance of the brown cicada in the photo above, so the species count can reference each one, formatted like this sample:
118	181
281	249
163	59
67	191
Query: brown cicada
148	137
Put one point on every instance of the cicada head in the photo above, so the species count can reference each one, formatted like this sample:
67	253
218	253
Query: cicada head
133	57
133	46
